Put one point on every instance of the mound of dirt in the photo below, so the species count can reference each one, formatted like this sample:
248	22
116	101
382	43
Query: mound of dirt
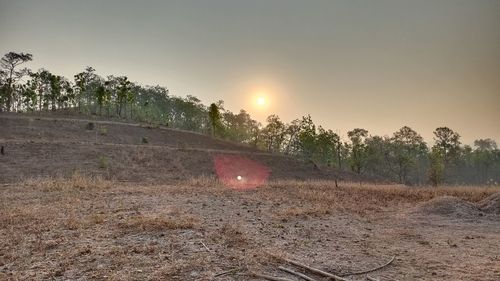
448	206
490	204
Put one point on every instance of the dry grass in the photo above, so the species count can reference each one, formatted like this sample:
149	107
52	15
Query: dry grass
76	181
57	228
158	222
322	197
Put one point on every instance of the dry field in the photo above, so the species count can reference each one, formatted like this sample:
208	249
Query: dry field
86	228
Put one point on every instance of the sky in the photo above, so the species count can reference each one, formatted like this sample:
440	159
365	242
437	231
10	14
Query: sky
378	65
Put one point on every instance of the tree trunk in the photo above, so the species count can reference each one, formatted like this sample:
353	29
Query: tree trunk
9	90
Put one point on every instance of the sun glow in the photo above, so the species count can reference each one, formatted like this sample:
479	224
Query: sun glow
261	101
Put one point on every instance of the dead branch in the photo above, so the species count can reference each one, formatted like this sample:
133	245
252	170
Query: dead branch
315	270
267	277
371	278
226	272
208	249
297	273
370	270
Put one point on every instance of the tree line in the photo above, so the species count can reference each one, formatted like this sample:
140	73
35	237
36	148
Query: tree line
403	157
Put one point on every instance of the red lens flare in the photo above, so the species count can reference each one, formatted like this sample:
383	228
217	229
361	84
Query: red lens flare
239	172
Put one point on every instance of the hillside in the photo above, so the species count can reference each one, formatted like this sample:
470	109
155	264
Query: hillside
55	145
152	215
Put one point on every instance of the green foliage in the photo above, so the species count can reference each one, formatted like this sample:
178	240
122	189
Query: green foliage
358	147
240	127
272	136
103	131
9	76
215	118
436	170
447	143
409	147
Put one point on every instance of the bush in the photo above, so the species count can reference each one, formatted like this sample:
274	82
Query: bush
145	140
90	126
103	162
103	131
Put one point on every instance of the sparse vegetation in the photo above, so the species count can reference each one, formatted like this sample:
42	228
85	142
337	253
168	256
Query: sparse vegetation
103	162
201	228
103	131
144	140
158	222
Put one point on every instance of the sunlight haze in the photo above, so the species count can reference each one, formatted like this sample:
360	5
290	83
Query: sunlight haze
377	65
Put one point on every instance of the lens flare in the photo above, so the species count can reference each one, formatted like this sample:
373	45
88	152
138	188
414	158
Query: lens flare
241	173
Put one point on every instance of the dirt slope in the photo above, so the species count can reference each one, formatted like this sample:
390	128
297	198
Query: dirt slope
51	146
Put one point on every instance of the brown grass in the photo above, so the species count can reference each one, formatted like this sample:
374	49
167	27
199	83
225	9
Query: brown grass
76	181
158	222
322	197
67	228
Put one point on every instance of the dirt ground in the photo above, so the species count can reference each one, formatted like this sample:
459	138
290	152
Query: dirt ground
81	229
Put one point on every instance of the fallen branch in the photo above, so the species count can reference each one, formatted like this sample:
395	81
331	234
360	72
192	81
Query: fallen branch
297	273
371	278
226	272
370	270
208	249
315	270
267	277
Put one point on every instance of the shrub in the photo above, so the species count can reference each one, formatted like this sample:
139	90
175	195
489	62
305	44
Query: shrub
103	131
103	162
90	126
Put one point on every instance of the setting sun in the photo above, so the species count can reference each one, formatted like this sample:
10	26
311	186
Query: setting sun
261	101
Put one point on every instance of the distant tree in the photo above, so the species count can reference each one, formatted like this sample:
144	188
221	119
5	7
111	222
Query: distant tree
215	118
40	83
436	170
485	144
273	133
327	150
56	86
291	141
307	138
408	147
84	85
378	157
101	96
239	127
447	143
123	93
9	76
484	157
29	96
358	149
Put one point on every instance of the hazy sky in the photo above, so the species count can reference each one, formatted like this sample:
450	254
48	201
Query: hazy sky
378	65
